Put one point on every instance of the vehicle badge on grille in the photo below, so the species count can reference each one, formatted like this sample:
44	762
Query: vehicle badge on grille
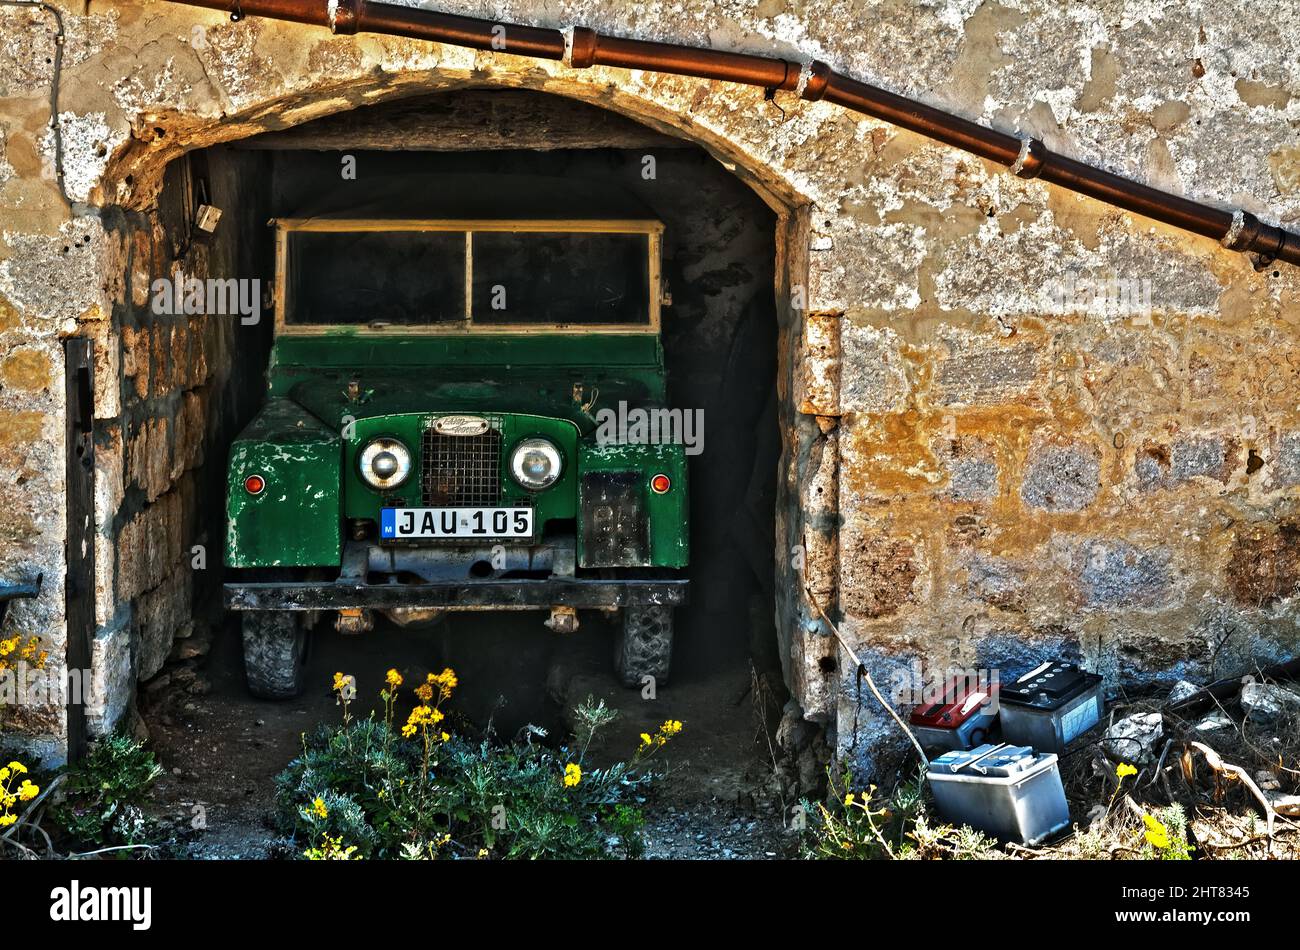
460	425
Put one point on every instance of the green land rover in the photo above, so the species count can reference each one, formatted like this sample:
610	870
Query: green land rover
431	439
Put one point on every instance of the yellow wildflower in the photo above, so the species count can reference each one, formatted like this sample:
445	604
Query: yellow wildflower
330	849
318	808
393	678
27	791
1124	769
424	692
420	717
849	799
572	774
1156	834
17	768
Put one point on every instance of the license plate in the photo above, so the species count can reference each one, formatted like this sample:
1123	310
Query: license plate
400	523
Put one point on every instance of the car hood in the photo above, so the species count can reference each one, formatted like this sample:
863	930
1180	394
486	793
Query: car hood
531	373
327	395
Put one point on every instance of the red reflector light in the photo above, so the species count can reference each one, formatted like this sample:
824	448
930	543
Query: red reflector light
254	484
660	484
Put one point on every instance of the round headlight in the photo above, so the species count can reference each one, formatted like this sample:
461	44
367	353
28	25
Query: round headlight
535	464
384	463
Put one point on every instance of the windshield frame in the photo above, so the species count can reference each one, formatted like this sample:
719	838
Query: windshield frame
285	226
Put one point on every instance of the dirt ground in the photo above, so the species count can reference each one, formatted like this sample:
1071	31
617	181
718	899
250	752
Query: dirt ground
221	748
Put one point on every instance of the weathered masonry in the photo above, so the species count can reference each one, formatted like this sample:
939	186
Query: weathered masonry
1016	422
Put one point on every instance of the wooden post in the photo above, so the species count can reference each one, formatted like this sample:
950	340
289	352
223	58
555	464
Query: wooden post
79	589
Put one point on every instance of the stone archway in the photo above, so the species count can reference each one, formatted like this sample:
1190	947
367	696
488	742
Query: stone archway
169	399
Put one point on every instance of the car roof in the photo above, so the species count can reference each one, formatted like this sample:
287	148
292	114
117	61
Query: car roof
475	197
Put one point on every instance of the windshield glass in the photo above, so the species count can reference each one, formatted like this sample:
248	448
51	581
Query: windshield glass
558	278
526	278
409	278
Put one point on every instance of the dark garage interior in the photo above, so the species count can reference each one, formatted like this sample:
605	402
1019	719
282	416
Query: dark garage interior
719	337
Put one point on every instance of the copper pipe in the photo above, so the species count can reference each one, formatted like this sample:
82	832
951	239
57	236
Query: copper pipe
925	120
357	16
583	48
684	61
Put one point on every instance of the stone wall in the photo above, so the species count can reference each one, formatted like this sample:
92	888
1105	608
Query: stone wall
178	400
973	473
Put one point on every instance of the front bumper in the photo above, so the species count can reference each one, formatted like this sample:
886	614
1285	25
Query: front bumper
462	594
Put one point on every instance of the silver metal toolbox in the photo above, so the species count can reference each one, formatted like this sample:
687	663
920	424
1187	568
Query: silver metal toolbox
1011	792
1049	706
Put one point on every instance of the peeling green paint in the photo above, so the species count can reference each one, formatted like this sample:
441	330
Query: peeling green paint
294	520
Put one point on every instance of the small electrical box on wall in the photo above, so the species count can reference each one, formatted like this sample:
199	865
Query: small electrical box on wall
206	218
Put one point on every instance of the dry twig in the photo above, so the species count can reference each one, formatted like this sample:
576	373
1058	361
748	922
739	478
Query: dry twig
1215	762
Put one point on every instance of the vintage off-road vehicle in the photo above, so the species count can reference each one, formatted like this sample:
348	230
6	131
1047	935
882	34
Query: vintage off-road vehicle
430	441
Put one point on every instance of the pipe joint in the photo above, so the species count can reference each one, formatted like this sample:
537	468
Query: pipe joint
1029	163
580	47
813	78
1263	240
343	16
1232	236
1248	233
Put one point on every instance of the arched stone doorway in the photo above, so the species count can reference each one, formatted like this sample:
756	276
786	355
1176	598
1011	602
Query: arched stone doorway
183	395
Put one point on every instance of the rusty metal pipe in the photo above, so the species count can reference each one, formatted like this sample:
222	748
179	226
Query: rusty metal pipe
357	16
685	61
582	48
925	120
1172	209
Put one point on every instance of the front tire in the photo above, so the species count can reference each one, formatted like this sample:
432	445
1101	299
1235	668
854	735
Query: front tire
275	653
645	645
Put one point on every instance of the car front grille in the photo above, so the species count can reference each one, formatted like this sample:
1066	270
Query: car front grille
461	471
